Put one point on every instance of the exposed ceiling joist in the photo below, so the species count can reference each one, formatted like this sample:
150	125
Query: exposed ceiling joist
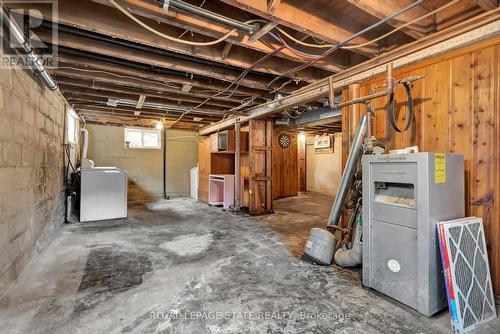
129	70
226	49
468	32
263	31
92	84
145	57
93	17
487	4
272	6
311	20
382	9
137	84
212	29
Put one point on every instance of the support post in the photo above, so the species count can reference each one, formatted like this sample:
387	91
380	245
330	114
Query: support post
237	167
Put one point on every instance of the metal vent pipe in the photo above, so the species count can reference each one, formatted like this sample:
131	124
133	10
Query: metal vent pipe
350	168
16	35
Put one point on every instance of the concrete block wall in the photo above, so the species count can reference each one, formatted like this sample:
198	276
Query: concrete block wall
145	166
31	170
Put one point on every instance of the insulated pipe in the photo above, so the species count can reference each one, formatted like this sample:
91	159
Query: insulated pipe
350	168
85	143
351	257
187	7
34	61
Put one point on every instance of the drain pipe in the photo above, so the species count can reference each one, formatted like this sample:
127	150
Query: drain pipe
16	34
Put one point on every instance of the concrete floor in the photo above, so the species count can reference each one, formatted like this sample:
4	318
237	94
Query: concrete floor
179	266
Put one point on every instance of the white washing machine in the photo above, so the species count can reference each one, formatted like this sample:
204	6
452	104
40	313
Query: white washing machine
103	193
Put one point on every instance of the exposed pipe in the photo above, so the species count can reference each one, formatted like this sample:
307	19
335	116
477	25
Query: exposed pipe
346	41
16	34
350	168
352	257
160	106
187	7
85	143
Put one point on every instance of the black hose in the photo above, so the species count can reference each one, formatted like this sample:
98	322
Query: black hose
409	104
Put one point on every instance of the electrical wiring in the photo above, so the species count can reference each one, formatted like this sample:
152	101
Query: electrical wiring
345	42
236	82
351	47
170	38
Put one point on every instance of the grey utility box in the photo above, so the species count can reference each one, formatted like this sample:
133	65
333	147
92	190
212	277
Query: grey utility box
404	195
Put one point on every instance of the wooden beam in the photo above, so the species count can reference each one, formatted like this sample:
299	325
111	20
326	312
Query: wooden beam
263	31
103	65
469	32
382	9
145	57
487	4
92	84
103	96
97	18
272	5
130	112
132	83
314	20
227	48
196	24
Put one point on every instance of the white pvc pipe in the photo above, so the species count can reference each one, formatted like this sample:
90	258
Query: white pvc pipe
85	143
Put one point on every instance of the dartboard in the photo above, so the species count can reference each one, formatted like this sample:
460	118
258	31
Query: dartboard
284	140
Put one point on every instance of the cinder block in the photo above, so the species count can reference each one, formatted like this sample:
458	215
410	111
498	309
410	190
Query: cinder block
48	125
20	134
27	156
12	154
1	98
19	82
44	106
52	113
34	98
29	114
6	78
13	105
6	128
40	121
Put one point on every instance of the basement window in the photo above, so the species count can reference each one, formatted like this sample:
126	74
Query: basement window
142	138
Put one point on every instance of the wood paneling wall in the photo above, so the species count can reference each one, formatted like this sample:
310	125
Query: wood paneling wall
456	110
285	166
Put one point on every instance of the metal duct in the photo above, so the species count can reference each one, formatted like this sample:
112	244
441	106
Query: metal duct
352	257
36	65
352	163
158	106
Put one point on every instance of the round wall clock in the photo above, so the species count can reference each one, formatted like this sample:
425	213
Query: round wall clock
284	140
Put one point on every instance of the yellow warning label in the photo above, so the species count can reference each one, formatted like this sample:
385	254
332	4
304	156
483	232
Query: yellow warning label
440	168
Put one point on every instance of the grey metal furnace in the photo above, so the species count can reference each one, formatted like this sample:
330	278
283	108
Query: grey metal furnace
404	195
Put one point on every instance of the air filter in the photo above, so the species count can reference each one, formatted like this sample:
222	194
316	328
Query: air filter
466	273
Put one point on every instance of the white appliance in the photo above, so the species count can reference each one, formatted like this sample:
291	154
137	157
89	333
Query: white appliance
103	194
103	190
194	182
